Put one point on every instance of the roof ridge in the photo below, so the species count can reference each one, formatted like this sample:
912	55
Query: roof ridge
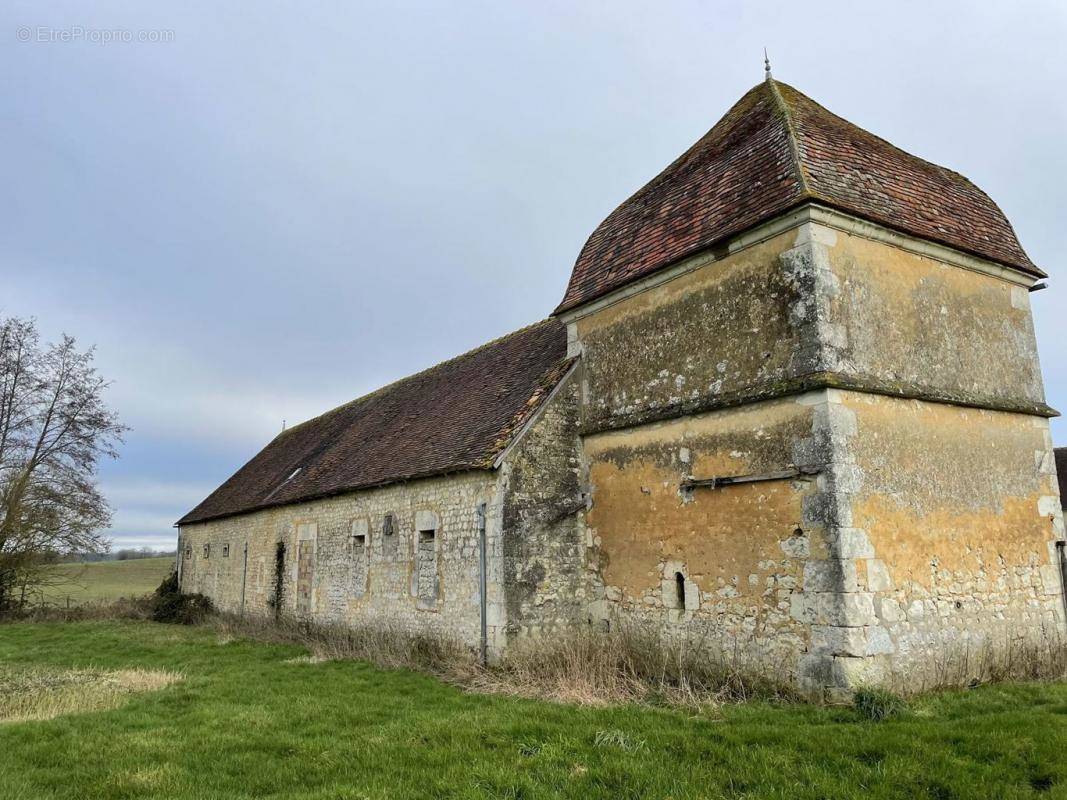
881	139
791	135
412	376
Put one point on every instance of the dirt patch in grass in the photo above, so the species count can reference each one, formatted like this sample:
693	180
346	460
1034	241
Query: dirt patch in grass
40	693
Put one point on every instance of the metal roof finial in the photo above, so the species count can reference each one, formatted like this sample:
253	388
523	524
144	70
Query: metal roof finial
766	65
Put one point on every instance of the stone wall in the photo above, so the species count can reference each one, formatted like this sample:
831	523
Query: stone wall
550	581
913	325
723	565
360	574
960	510
728	331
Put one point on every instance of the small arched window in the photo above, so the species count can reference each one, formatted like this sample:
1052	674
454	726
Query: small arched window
679	588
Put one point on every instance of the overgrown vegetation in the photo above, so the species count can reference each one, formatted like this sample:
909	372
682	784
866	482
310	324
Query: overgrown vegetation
253	719
636	663
276	600
630	664
170	605
989	661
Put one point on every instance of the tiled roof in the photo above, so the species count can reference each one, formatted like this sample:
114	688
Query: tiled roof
774	150
456	416
1061	473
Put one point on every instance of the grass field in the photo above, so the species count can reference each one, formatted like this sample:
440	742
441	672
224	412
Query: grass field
108	580
249	720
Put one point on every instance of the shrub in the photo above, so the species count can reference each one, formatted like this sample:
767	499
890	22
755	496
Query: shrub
170	605
878	704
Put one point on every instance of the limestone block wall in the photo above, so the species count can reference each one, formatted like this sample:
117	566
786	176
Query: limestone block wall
958	513
407	579
724	566
912	324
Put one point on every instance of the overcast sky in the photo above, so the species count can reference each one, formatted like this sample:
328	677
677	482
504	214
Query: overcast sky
285	206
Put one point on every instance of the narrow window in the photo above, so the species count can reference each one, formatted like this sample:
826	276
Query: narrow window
207	551
679	588
427	566
188	551
226	550
358	569
389	535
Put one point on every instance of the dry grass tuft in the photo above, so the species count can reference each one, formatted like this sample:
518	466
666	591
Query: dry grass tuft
991	660
39	694
382	646
633	663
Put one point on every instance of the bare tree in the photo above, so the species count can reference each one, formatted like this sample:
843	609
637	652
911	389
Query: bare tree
54	429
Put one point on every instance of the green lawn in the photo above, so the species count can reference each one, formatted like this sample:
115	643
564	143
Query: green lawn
107	580
249	721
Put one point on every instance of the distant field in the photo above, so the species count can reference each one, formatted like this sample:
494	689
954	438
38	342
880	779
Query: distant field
108	580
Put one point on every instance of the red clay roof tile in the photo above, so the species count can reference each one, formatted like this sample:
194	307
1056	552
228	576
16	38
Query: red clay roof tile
456	416
774	150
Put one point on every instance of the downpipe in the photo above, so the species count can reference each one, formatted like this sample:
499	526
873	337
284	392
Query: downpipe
1060	547
483	581
244	579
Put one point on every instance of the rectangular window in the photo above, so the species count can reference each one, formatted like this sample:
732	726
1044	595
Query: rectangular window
226	550
207	551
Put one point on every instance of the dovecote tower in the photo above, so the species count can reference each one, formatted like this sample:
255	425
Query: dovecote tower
812	414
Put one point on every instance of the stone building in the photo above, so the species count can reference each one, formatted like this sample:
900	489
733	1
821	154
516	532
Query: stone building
790	404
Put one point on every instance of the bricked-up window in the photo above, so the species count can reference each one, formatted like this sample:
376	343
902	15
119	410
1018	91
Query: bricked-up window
207	551
427	566
226	550
359	560
389	534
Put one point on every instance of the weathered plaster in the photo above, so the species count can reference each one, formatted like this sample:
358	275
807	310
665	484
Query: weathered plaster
741	549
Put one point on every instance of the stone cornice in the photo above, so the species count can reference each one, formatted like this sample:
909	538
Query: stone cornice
814	382
817	214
